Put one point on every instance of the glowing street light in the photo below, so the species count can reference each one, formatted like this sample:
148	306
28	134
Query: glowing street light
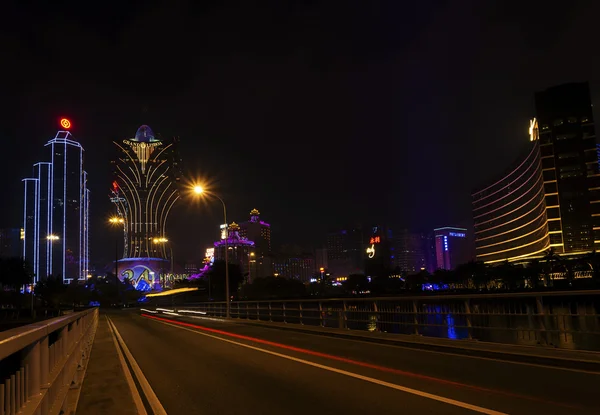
52	237
116	221
199	190
164	240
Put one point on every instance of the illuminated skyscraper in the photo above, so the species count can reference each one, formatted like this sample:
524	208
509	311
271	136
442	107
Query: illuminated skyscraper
56	212
551	199
144	190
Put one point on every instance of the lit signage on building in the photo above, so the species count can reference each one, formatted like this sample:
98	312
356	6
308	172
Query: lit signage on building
65	123
371	251
534	132
445	243
223	228
458	234
375	240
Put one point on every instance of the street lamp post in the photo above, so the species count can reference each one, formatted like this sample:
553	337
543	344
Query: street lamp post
165	241
115	221
200	190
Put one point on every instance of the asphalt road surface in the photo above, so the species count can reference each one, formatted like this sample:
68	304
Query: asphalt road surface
206	366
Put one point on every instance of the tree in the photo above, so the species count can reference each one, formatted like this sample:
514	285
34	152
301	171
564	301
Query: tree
551	260
474	274
273	288
532	273
216	276
355	283
15	272
415	282
512	276
51	290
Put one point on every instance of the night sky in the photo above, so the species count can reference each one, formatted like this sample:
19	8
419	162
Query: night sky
318	113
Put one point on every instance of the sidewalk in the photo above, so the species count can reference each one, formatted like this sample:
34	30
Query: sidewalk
105	389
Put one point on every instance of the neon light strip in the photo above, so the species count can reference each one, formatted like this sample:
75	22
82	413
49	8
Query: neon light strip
540	191
509	193
508	175
512	249
63	240
542	201
543	213
519	237
530	255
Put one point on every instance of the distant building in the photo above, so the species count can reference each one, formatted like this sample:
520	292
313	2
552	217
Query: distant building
408	251
191	267
10	243
259	232
345	252
300	267
321	259
451	247
240	250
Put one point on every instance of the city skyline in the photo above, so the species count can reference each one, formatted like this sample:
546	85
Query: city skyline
392	122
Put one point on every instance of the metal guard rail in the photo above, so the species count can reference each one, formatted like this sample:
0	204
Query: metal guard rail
43	363
563	319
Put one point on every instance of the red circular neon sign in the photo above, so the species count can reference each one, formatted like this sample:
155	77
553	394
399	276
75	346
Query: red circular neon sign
65	123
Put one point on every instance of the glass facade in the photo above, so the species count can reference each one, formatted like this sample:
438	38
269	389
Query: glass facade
56	213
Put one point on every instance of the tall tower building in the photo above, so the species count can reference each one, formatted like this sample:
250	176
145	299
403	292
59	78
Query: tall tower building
56	212
257	231
345	252
570	166
144	190
551	197
408	251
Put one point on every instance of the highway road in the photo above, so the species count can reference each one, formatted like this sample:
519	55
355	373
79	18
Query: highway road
207	366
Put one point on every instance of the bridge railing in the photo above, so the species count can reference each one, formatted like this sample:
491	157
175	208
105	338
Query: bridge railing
42	364
565	319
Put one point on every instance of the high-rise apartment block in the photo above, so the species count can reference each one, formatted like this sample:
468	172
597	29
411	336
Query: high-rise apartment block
56	212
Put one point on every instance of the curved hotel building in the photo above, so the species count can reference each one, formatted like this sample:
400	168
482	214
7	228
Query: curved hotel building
551	198
511	215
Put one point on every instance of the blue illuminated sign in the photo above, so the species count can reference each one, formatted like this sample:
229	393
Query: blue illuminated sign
458	234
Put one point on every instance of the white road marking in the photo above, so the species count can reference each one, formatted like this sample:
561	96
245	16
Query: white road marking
153	400
464	356
416	392
137	399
